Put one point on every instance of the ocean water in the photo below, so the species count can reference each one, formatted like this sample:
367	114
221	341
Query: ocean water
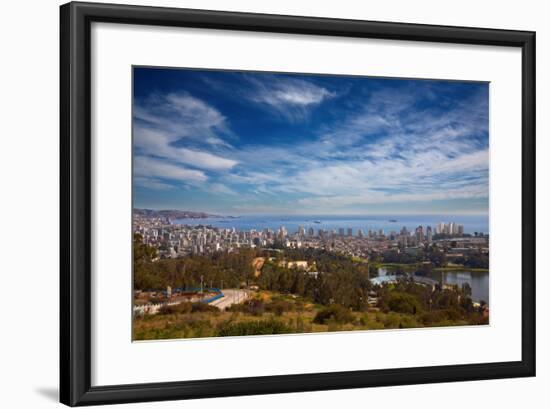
472	223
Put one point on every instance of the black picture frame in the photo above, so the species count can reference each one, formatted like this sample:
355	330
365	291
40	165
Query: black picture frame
76	199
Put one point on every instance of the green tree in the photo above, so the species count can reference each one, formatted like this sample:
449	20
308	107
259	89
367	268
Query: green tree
403	302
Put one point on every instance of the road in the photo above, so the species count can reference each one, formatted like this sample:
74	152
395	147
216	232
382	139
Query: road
231	296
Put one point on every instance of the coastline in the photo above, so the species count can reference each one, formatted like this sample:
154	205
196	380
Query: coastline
472	223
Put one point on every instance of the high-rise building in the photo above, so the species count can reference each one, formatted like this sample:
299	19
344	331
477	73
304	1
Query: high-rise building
282	232
419	234
460	229
341	231
311	232
429	233
360	233
350	231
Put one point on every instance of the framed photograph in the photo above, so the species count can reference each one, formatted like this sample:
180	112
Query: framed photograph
259	204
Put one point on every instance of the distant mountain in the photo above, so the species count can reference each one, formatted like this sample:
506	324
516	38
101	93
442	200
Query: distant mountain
174	214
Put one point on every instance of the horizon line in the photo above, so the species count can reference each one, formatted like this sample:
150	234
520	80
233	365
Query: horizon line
229	214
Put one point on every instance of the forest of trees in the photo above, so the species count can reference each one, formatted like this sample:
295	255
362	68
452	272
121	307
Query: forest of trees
431	306
331	294
338	279
230	268
436	257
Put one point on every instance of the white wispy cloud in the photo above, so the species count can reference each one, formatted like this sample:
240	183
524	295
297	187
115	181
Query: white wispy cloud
420	157
182	116
290	97
386	147
158	143
219	188
163	122
151	168
151	183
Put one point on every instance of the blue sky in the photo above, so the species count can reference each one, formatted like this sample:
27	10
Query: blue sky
237	143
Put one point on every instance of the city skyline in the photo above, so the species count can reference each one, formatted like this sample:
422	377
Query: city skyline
236	143
174	240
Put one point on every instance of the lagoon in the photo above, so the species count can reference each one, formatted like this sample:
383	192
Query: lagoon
478	280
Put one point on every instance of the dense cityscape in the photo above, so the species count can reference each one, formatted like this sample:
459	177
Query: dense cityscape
178	240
